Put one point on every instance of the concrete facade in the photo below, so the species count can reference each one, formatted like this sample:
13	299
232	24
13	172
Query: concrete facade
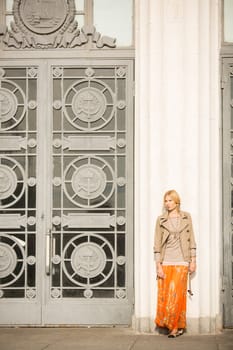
178	145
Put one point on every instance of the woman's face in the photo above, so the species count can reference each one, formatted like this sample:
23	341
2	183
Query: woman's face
169	203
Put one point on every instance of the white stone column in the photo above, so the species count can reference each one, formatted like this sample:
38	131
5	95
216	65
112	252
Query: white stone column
177	144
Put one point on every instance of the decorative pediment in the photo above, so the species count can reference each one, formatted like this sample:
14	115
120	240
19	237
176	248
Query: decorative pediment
42	24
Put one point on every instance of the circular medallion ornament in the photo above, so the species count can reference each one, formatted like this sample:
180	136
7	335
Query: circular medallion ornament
121	260
57	143
88	259
121	220
121	181
12	259
120	293
31	220
57	104
88	293
31	293
8	260
56	220
32	104
31	260
56	293
56	259
89	72
89	181
12	104
121	143
32	143
11	181
8	181
44	16
121	104
57	181
31	181
8	105
89	104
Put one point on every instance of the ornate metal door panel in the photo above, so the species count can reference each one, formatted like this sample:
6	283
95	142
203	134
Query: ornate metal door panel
79	239
227	192
19	290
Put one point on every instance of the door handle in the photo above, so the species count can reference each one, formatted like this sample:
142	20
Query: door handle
48	252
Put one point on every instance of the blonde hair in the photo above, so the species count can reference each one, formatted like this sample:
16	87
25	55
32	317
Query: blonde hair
174	195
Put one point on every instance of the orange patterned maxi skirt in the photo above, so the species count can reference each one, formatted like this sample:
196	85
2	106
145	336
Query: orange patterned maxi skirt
171	304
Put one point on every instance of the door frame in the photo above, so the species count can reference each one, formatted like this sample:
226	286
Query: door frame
227	190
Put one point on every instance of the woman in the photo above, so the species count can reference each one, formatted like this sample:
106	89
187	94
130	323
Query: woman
175	256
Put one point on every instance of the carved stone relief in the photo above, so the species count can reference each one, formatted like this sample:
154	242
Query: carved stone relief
42	24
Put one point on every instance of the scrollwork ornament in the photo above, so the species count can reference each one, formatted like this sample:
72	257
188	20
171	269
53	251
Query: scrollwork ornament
41	24
1	293
48	24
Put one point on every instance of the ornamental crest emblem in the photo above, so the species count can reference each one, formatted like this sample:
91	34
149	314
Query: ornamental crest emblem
43	16
42	24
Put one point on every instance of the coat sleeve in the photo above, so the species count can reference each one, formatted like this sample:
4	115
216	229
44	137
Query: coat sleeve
193	245
157	237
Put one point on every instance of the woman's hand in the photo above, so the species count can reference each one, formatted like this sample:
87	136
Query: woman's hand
159	269
192	266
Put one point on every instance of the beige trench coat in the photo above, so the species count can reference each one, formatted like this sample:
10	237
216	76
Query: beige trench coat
187	238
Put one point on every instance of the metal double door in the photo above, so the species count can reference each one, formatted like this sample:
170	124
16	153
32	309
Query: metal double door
227	158
66	192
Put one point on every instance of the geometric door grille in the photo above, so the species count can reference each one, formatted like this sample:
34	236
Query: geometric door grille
18	149
89	212
66	193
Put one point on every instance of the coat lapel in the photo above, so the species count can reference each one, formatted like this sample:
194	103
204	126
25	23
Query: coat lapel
183	223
